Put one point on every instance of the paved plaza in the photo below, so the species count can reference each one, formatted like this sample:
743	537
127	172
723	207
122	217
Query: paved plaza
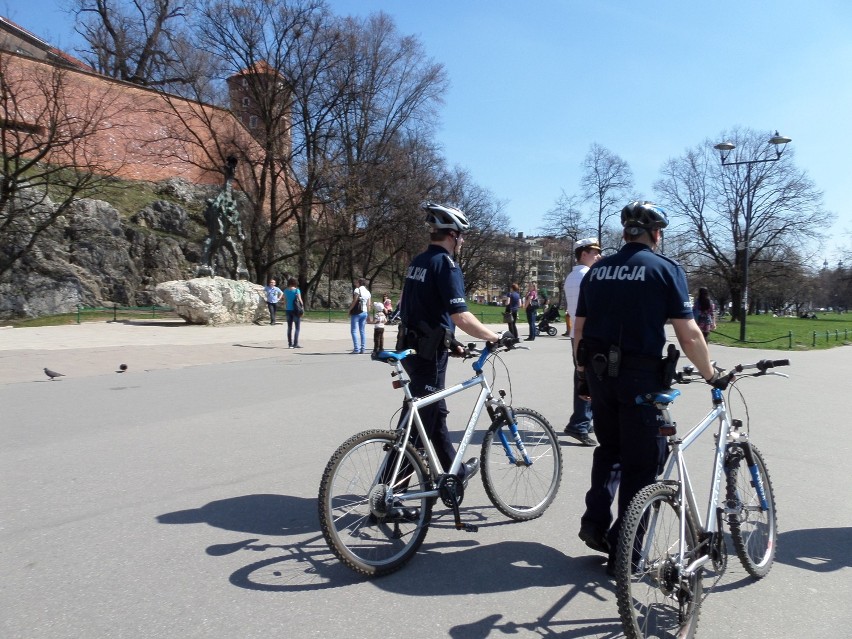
178	498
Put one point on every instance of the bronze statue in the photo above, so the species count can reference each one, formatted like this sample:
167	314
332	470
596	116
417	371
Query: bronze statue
223	217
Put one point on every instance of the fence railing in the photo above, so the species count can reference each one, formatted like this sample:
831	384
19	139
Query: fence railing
116	310
836	335
828	335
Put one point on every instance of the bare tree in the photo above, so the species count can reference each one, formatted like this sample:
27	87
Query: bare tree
392	92
141	41
606	182
275	57
394	223
709	203
47	124
567	219
483	253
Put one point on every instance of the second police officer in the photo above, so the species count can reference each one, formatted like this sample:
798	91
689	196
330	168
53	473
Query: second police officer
625	301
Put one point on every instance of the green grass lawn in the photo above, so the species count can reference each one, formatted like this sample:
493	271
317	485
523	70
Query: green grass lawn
765	331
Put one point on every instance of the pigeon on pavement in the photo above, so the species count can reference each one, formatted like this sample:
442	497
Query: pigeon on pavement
52	374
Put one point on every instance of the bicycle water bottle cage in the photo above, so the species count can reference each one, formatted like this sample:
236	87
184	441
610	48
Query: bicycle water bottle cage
664	397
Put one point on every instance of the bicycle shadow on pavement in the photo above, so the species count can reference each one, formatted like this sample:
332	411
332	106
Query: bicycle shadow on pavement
306	564
816	549
444	569
603	628
459	566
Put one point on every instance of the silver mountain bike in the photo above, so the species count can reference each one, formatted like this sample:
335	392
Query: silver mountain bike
378	489
665	546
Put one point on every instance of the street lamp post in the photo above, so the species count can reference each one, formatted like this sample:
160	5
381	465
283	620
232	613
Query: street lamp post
780	143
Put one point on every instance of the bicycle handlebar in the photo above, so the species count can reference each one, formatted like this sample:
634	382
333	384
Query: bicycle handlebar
689	373
763	365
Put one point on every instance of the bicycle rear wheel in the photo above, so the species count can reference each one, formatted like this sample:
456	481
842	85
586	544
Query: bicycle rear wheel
753	525
519	490
653	599
359	527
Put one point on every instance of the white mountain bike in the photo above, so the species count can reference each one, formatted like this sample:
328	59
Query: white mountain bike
664	545
378	489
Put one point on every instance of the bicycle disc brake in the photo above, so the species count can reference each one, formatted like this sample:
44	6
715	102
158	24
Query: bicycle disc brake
451	491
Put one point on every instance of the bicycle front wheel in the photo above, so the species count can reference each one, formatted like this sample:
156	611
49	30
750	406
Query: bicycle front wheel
522	488
752	520
655	599
364	532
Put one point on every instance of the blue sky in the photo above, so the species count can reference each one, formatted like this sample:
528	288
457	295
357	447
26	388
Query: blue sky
535	83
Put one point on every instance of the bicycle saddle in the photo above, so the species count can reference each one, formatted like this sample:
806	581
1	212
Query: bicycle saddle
660	397
393	356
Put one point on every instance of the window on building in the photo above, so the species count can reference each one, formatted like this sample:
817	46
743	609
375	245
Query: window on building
253	122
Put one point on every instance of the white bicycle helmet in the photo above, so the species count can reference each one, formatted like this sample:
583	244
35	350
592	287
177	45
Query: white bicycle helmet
645	215
445	217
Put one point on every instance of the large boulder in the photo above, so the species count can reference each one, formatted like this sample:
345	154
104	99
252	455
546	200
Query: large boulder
214	300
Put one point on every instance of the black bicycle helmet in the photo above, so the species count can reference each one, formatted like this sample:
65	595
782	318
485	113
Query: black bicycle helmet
645	215
445	217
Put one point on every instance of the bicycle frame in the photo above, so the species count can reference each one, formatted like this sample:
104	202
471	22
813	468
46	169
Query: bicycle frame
412	419
676	460
686	494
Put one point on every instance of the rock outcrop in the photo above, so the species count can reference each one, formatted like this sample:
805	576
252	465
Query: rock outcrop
93	256
96	257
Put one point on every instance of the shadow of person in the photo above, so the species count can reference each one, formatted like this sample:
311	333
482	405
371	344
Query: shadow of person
816	549
253	514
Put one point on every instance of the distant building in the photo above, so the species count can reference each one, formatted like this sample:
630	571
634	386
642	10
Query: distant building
15	39
262	81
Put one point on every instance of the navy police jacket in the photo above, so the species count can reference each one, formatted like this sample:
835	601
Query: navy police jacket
627	298
434	289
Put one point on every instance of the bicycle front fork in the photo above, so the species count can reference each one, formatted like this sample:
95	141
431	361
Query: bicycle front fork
504	415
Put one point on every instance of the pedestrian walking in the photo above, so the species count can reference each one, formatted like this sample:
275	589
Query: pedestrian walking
294	302
273	295
531	306
379	321
358	315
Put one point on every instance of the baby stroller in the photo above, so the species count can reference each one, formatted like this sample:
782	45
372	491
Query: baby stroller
550	315
396	316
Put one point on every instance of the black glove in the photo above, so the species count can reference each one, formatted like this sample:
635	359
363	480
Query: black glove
456	348
719	380
581	385
507	340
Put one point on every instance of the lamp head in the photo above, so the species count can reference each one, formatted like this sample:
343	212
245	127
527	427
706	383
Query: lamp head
724	149
780	142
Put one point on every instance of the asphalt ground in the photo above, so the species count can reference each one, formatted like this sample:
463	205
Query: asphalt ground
178	499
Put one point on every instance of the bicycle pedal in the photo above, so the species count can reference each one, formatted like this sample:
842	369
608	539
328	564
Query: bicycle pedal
471	528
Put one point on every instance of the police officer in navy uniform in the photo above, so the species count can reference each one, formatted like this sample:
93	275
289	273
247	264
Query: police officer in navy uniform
433	305
625	301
